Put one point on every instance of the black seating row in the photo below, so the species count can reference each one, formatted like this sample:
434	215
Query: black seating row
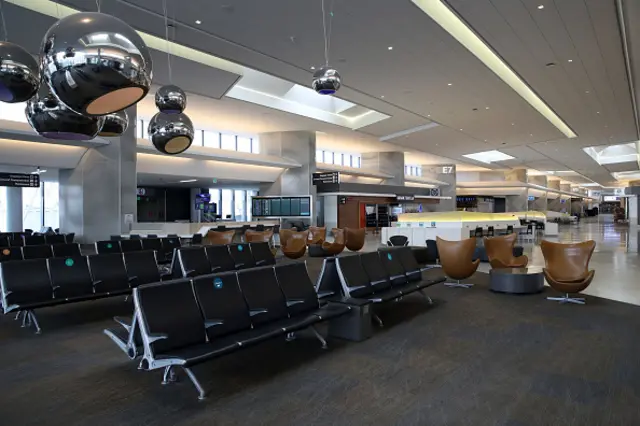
39	252
32	284
35	240
376	277
164	246
186	322
202	260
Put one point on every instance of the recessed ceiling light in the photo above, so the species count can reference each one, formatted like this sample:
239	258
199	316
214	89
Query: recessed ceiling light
449	84
530	134
428	115
198	21
486	107
586	91
313	68
541	6
382	96
390	47
513	124
570	60
460	129
597	112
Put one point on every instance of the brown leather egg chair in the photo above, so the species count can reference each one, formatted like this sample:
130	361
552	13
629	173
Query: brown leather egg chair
354	238
456	258
252	236
295	247
219	237
317	235
337	246
567	268
500	252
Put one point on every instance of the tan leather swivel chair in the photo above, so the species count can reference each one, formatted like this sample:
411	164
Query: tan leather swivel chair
251	236
567	268
295	244
337	246
354	238
500	252
219	237
317	235
456	258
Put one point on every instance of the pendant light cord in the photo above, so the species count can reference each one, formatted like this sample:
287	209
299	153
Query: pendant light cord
98	5
327	34
4	23
166	33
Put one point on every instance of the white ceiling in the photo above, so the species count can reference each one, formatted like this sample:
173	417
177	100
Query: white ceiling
477	112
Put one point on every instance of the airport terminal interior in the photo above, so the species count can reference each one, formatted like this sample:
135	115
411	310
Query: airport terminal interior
319	212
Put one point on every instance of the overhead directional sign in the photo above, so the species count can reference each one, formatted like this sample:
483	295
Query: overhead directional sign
20	180
405	197
326	178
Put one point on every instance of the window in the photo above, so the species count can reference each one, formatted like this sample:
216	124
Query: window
255	146
51	204
244	144
228	142
250	193
412	170
338	158
226	208
327	157
318	156
13	112
211	139
198	138
3	209
240	201
215	198
144	130
32	208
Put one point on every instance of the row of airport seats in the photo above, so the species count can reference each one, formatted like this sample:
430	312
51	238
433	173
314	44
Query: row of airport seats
44	251
28	285
163	246
376	277
19	240
193	261
186	322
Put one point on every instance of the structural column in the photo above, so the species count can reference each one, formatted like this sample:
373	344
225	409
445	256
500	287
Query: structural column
553	204
391	163
446	174
519	202
98	197
14	210
539	203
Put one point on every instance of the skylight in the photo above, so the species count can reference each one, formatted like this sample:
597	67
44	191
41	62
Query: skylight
489	156
612	154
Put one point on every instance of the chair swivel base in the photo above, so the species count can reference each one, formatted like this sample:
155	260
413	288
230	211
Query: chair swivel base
567	299
457	283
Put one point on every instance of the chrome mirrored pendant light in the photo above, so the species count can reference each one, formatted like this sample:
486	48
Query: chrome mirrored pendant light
171	133
171	99
51	119
19	71
115	124
326	80
95	64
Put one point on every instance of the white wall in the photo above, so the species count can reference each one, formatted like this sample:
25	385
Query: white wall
330	211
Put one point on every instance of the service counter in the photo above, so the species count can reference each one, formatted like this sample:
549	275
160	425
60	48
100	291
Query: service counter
453	226
186	230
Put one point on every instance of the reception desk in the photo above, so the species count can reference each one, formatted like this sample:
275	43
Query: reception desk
453	226
186	230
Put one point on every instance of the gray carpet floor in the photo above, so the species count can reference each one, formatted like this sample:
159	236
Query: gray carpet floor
473	358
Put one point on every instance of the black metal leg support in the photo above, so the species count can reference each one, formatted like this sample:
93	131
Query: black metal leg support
195	382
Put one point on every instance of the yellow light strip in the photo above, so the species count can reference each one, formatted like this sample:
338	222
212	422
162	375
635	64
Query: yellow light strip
452	24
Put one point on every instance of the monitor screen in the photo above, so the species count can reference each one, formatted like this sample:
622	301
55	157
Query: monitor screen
275	207
281	206
204	197
285	207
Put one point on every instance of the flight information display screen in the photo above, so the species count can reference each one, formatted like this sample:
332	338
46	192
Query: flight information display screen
281	206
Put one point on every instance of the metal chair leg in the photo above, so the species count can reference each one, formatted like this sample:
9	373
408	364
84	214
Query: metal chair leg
427	298
18	315
458	284
566	299
377	319
32	318
319	337
169	375
290	337
196	383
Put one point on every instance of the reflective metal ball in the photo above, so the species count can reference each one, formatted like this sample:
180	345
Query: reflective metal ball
326	81
115	124
51	119
95	64
171	99
19	73
171	133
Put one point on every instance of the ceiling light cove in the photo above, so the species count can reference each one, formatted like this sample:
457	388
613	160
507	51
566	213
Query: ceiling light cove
489	156
188	180
458	29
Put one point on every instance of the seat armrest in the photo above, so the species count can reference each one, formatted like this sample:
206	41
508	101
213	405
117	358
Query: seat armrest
95	283
255	312
260	262
132	279
190	273
212	323
238	265
349	301
325	294
156	336
291	302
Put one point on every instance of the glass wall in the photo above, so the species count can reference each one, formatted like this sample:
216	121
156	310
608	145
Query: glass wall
226	209
51	204
208	139
234	202
240	202
338	158
3	209
412	170
32	208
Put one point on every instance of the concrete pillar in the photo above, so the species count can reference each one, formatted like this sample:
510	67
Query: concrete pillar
391	163
540	203
97	196
517	203
445	174
519	175
14	210
554	204
299	146
565	187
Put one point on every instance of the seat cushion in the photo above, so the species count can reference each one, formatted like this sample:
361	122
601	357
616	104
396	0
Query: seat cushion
196	354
